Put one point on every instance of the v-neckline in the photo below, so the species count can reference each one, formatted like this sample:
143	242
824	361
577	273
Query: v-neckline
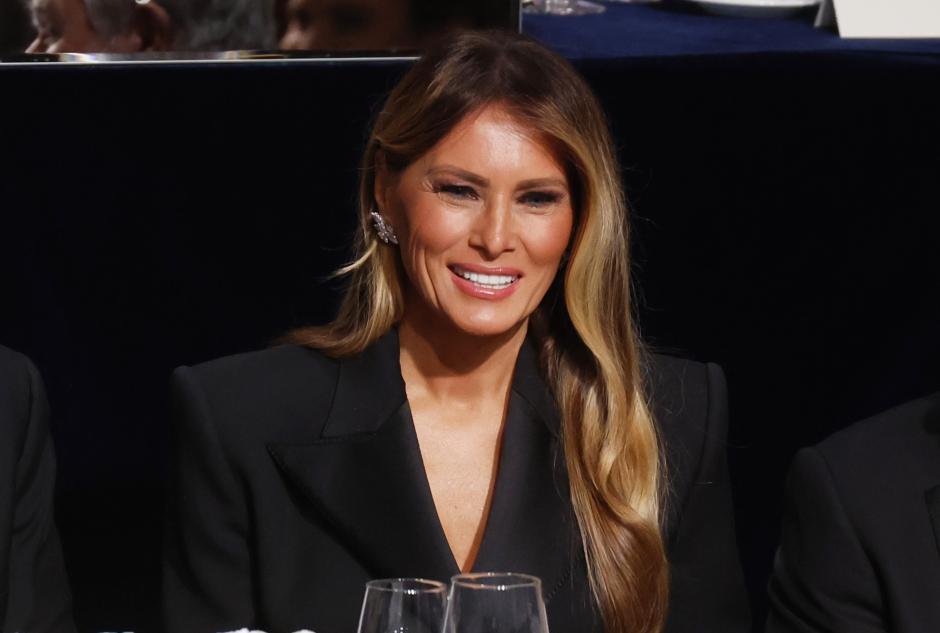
425	485
519	411
364	477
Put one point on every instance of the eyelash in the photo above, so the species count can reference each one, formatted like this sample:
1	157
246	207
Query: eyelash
530	198
540	198
457	191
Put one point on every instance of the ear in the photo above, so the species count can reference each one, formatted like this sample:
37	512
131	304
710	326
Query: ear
153	26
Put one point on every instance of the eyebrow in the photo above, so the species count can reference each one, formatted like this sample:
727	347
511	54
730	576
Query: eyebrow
543	182
462	173
484	182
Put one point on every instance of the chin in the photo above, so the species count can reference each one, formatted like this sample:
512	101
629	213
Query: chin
486	327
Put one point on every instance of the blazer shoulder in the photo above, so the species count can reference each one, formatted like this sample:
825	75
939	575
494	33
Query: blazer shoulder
266	366
280	391
683	393
904	426
11	359
689	406
904	441
20	385
16	371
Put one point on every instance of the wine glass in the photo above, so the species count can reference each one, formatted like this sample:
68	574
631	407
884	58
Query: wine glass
495	603
562	7
403	605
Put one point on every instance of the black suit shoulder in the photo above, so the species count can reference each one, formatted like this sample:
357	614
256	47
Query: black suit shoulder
18	387
688	400
284	394
879	468
858	550
291	379
272	395
289	382
34	592
17	379
895	437
678	387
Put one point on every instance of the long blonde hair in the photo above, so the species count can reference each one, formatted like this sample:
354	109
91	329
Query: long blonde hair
589	350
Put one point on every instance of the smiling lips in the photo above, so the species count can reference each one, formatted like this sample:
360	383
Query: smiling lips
485	283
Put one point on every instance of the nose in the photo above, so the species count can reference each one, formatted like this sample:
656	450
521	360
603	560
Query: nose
495	231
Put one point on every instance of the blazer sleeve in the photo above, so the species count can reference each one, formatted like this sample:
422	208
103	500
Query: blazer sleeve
39	600
207	563
708	593
822	579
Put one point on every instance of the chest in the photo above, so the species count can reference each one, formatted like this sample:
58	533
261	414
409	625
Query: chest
460	453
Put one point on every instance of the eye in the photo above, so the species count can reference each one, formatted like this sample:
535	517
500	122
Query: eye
540	199
460	192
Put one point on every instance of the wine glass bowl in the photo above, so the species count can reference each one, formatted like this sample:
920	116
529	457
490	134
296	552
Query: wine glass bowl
403	605
495	603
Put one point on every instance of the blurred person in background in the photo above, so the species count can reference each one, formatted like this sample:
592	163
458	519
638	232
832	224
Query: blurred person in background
34	591
132	26
860	544
346	24
379	24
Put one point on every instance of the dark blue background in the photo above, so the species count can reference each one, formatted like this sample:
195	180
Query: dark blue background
677	27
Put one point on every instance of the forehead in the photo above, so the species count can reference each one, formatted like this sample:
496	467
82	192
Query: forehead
493	133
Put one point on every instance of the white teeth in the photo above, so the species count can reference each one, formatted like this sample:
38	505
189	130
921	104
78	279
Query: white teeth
490	281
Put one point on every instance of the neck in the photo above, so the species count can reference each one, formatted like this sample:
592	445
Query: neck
457	367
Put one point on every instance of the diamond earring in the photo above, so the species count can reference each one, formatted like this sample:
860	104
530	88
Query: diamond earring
383	229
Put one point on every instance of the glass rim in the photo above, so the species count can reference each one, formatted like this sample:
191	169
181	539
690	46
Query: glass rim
413	586
513	580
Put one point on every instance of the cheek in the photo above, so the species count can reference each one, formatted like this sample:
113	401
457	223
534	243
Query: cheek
428	228
547	243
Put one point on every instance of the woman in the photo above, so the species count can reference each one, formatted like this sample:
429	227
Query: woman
481	402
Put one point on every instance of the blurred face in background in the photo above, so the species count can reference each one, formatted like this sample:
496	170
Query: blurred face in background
62	26
346	24
65	26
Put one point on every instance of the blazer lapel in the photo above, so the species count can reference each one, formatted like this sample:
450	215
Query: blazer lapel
365	476
366	479
531	526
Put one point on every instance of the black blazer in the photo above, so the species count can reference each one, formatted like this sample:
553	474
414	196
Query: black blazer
298	478
34	592
860	547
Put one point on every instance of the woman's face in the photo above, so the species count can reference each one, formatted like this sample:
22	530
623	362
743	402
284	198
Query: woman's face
483	219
